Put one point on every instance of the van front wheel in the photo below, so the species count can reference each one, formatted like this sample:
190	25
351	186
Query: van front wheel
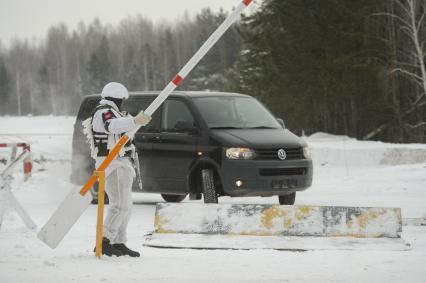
173	198
209	190
287	199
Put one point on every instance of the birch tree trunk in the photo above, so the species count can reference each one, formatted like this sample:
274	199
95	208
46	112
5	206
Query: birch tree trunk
408	17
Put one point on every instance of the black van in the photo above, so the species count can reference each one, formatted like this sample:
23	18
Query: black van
207	143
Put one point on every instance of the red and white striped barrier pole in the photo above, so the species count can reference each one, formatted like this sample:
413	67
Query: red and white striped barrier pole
77	202
176	81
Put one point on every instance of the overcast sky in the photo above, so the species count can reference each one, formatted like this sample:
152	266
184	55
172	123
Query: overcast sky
30	19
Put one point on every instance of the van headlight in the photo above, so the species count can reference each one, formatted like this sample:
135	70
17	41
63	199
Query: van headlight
307	152
240	153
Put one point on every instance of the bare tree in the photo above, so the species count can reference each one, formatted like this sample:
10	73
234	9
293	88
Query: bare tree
410	39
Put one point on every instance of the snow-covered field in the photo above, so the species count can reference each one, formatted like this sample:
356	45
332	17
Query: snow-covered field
347	172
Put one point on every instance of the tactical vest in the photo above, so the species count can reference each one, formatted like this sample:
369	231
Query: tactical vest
100	139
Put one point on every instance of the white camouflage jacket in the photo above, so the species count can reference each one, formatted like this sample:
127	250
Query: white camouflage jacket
111	122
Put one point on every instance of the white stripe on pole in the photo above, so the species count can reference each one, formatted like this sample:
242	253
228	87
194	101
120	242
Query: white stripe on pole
194	60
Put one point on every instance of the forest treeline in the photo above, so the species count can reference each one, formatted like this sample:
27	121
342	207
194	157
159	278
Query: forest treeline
345	67
53	78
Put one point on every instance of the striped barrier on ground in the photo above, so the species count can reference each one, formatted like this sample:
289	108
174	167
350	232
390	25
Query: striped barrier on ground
28	164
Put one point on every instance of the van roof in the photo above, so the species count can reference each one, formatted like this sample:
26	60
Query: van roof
181	93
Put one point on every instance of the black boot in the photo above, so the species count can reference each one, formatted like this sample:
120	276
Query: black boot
108	249
126	251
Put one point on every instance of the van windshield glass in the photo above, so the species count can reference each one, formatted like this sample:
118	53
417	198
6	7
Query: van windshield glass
232	112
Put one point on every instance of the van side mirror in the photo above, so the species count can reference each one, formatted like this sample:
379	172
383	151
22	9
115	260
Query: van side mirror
185	126
281	121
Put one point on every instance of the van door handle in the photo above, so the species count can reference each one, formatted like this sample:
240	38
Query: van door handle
140	137
157	138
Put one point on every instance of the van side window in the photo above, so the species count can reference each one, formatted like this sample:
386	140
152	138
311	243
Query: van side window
176	116
134	105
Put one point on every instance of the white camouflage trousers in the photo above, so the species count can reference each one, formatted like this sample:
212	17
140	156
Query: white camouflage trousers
119	188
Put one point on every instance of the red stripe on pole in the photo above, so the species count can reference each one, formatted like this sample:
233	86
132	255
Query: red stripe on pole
247	2
177	80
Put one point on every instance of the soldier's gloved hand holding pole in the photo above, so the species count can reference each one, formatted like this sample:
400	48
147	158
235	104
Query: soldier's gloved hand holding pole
142	119
108	125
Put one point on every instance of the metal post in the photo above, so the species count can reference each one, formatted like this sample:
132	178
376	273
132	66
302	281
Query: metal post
100	221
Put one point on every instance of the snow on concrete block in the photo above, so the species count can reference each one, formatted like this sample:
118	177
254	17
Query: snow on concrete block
276	220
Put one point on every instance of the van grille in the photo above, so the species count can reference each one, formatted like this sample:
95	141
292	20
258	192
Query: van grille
282	171
272	154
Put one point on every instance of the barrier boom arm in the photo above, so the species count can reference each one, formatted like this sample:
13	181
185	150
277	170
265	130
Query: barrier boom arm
170	87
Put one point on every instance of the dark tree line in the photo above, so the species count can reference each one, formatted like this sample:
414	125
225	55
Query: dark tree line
345	67
339	66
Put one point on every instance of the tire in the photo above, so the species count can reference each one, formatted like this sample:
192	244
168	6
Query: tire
173	198
207	182
287	199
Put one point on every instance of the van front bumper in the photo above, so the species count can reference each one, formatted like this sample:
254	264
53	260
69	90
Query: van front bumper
265	178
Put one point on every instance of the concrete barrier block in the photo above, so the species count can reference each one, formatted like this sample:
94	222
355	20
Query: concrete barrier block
278	220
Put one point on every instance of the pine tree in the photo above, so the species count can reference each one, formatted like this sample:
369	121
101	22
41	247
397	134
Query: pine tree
210	74
314	63
99	67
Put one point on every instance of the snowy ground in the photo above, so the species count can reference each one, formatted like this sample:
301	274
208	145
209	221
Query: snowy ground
347	173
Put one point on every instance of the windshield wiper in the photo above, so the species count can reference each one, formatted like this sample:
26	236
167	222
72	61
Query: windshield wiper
224	128
262	127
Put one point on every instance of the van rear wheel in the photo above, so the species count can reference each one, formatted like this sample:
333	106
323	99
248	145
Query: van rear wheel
173	198
287	199
209	190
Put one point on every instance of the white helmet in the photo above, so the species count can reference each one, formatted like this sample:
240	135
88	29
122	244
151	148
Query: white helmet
115	90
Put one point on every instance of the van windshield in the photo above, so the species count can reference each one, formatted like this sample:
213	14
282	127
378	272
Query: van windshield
233	112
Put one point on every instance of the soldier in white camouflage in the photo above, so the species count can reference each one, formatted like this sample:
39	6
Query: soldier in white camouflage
107	125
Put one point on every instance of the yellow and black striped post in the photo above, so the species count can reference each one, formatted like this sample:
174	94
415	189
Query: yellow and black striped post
100	221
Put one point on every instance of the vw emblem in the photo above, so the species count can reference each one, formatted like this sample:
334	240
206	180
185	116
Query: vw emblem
281	154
